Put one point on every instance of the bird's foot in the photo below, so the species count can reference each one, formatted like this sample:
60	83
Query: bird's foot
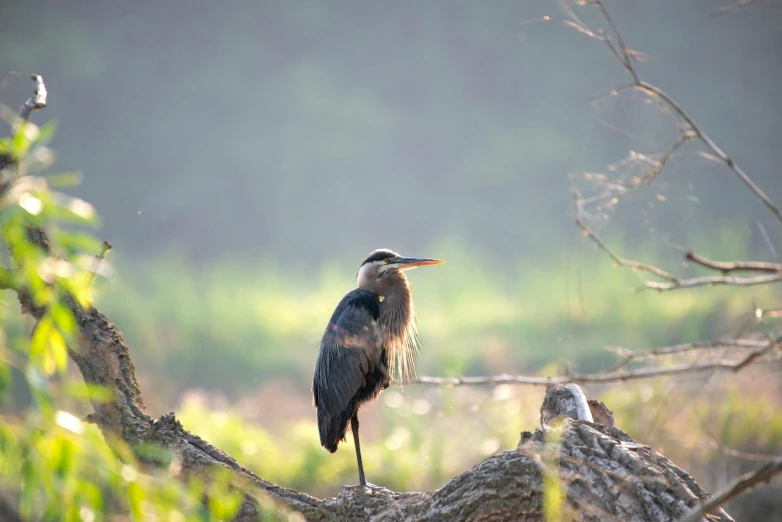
367	486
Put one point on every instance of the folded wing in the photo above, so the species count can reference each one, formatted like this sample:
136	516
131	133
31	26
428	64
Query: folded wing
352	365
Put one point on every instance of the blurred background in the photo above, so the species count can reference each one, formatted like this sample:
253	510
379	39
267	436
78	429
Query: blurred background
245	157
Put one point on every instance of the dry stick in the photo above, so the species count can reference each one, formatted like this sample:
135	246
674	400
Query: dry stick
714	281
597	378
654	91
622	55
741	484
634	265
625	56
96	264
683	138
37	101
34	103
615	376
678	349
741	4
726	267
675	283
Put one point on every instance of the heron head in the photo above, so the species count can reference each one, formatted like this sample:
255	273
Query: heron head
382	264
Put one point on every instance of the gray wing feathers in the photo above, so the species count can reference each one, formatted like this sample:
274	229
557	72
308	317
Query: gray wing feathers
351	348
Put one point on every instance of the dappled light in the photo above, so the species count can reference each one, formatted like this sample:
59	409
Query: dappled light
603	343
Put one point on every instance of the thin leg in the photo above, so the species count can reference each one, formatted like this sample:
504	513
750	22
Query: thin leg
362	481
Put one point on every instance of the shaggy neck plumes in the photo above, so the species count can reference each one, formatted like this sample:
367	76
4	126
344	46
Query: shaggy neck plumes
397	321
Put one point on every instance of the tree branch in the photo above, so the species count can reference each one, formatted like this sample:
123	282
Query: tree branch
727	267
623	55
633	265
675	283
761	349
736	488
735	6
37	101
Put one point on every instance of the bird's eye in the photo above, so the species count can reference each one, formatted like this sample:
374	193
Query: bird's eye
387	260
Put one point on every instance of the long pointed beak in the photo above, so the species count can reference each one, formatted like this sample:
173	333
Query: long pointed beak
406	263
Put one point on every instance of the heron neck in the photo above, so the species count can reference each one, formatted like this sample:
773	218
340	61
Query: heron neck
396	309
397	322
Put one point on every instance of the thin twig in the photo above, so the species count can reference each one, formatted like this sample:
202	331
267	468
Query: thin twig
34	103
655	92
737	487
735	6
681	140
727	267
634	265
98	260
679	349
727	160
37	101
623	56
713	281
767	239
762	348
754	356
597	378
675	283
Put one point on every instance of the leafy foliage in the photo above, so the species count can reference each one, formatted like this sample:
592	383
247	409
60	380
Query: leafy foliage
53	466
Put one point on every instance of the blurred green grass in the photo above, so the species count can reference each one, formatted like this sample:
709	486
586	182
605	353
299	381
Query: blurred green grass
231	346
232	326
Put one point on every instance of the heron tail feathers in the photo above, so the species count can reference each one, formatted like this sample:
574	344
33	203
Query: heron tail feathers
333	429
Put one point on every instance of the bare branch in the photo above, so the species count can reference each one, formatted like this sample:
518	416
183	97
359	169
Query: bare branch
762	348
739	486
34	103
37	101
98	260
601	378
675	283
681	140
679	349
714	281
623	55
735	6
624	58
634	265
727	267
727	160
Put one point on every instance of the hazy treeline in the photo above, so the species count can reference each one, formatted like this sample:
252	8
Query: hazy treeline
326	129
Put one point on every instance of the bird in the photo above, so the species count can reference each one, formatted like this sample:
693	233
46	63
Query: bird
371	338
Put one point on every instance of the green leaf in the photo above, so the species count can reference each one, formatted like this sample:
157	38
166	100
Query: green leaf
46	132
23	139
76	242
39	346
63	318
5	378
65	179
91	392
136	497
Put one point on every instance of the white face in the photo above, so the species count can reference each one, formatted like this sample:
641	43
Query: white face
369	273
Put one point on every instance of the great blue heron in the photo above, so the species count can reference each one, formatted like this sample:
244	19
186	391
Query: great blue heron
371	335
